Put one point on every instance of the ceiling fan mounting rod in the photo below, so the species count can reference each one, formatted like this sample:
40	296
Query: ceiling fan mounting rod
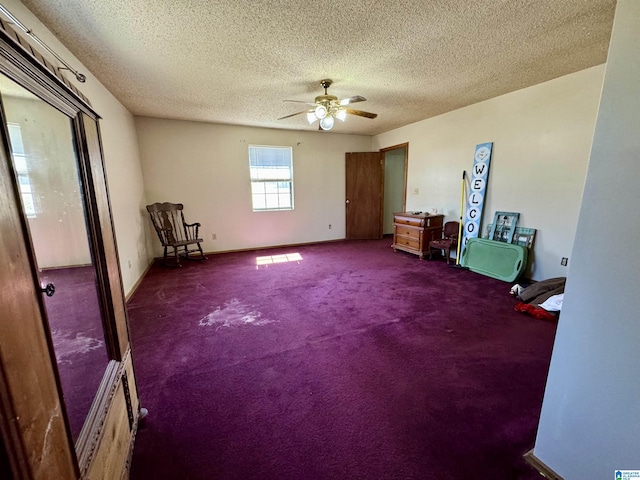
326	84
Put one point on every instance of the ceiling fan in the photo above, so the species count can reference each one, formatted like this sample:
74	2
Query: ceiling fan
327	108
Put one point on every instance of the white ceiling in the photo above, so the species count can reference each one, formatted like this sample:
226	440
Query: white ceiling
233	61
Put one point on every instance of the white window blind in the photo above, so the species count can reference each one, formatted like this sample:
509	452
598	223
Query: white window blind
271	170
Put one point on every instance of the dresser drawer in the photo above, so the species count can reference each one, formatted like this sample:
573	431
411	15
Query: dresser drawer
408	242
408	231
414	221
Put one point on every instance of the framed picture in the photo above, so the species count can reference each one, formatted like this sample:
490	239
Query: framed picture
504	226
522	236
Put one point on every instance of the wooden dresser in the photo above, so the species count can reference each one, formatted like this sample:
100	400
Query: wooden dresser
413	232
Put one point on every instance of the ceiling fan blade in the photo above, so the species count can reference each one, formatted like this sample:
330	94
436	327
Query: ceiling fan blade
354	99
360	113
300	101
294	114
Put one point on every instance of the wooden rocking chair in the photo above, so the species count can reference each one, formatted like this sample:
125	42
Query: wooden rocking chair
174	232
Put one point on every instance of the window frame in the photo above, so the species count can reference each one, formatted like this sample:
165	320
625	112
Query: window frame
271	185
21	165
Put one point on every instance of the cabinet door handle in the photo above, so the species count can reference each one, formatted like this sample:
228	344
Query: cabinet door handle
49	289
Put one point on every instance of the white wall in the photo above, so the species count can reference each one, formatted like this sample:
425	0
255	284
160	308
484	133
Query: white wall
590	421
58	230
121	156
542	138
206	167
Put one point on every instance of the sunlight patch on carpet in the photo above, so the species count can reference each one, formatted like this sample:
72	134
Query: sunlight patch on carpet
285	258
233	314
67	344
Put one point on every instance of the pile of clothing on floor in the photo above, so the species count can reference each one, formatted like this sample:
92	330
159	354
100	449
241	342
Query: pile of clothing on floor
541	299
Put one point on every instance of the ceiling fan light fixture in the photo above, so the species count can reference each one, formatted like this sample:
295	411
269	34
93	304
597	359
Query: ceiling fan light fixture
341	114
327	123
311	117
321	111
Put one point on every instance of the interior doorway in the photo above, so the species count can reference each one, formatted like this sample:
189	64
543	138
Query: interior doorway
395	183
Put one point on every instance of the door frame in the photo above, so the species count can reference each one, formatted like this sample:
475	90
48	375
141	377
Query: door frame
383	151
406	167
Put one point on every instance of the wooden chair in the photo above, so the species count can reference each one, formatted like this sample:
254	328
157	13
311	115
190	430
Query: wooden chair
174	232
448	241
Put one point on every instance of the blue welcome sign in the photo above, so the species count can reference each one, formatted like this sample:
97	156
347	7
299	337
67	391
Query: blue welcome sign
478	188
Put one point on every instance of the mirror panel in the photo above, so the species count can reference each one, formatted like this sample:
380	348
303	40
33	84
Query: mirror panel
46	167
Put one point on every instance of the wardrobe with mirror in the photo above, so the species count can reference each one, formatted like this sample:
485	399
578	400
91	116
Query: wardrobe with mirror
68	400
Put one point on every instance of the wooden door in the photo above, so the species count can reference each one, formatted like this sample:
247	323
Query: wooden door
31	414
35	408
364	195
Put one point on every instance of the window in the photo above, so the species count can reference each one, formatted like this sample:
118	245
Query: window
22	168
271	177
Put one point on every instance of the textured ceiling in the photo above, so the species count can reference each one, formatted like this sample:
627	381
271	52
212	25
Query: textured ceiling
230	61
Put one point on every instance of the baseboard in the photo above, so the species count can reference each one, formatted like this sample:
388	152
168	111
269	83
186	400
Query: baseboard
288	245
138	282
541	468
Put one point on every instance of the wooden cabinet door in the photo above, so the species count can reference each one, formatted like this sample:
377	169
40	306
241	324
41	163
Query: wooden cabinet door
364	195
35	412
32	420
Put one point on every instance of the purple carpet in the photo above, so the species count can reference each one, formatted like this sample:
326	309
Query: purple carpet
77	333
353	362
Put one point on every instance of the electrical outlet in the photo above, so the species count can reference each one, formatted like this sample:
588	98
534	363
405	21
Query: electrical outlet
129	262
564	261
416	191
214	236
